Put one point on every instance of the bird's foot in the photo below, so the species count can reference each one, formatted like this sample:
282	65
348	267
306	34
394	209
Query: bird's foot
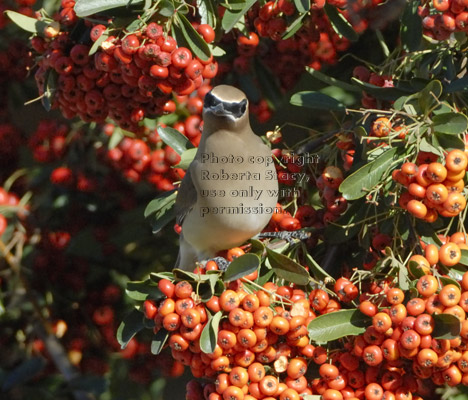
286	235
221	262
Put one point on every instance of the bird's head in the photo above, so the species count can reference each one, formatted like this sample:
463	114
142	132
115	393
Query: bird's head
226	106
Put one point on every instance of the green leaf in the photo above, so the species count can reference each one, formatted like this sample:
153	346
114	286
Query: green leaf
209	335
172	137
450	123
302	6
317	271
157	276
415	271
160	203
85	8
294	27
207	11
411	27
188	276
340	24
456	272
129	327
348	225
447	326
338	324
359	183
458	85
383	93
242	266
464	258
186	158
194	40
403	279
428	97
444	280
231	17
27	23
24	372
449	142
158	342
166	8
331	81
143	290
316	100
287	269
257	248
115	138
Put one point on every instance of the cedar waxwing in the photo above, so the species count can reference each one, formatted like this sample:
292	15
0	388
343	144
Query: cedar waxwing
230	189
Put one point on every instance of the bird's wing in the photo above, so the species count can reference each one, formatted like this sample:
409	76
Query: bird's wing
186	197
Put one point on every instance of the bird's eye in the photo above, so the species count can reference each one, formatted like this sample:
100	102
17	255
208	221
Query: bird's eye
210	100
243	106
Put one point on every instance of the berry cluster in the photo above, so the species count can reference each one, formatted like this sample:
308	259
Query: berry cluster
148	158
131	76
398	355
443	17
262	348
433	189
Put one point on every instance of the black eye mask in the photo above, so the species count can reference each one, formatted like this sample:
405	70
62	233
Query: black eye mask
221	108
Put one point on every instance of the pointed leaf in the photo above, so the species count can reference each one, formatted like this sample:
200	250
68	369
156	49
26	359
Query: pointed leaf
316	100
338	324
192	38
241	266
464	258
158	342
450	123
232	17
428	97
447	326
317	271
207	11
186	158
287	269
172	137
85	8
159	203
129	327
449	142
294	27
340	24
143	290
303	6
115	138
27	23
411	26
359	183
209	335
101	39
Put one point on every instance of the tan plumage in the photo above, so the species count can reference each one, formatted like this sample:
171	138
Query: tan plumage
226	133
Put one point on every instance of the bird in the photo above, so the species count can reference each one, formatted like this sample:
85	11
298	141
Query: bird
230	189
